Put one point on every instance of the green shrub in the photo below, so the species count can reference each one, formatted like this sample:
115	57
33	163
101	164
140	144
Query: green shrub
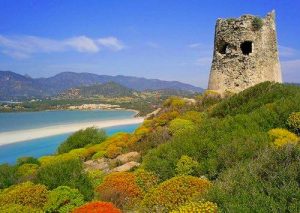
63	199
96	177
231	134
257	23
178	126
208	99
82	138
146	180
27	160
269	183
7	175
27	172
66	173
194	116
255	97
186	166
294	122
173	193
174	102
25	194
99	154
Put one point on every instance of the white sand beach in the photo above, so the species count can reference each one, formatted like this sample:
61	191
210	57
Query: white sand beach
24	135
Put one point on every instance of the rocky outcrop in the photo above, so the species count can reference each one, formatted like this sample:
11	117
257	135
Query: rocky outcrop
126	167
245	53
130	156
99	164
121	163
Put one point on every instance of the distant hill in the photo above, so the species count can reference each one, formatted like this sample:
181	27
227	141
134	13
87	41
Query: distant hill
15	86
110	89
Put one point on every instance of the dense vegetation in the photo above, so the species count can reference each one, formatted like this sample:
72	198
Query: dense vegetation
109	89
144	102
82	138
239	153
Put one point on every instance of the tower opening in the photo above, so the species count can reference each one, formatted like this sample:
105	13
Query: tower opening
246	47
223	47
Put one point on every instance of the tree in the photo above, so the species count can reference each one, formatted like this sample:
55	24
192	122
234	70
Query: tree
82	138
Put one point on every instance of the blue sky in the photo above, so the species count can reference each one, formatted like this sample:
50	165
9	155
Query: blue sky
165	39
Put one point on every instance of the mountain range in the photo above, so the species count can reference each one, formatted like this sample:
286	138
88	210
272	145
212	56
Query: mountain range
16	86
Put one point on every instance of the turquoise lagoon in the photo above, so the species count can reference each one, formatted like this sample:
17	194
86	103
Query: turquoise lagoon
48	145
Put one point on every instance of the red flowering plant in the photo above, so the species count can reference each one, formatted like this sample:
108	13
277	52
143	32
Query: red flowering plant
97	207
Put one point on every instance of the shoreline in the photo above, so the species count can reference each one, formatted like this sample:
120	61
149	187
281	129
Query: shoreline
49	110
30	134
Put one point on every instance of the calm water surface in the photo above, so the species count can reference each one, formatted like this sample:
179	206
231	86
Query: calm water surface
48	145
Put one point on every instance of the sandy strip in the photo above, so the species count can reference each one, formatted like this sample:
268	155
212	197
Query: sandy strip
24	135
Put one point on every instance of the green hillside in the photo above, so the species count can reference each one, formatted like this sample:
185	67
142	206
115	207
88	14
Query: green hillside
234	154
109	89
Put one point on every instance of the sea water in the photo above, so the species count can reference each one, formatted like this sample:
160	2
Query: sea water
45	146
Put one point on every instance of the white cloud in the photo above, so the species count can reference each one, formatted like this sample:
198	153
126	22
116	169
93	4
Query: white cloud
286	51
196	45
25	46
82	44
111	43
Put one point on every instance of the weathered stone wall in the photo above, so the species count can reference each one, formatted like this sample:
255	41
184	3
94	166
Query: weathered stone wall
245	54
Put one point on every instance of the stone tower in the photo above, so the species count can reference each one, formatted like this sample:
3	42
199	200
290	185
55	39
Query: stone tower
245	53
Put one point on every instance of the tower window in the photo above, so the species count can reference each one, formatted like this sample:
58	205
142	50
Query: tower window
246	47
223	47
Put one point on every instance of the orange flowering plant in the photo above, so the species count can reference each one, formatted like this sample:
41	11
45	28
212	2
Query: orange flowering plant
120	188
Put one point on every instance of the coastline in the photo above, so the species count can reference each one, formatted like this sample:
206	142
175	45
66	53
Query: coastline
30	134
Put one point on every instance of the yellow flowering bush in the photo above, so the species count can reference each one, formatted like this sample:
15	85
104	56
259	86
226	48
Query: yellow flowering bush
27	171
174	102
197	207
294	122
99	154
281	137
194	116
179	125
186	166
174	192
16	208
146	180
82	153
25	194
53	159
164	118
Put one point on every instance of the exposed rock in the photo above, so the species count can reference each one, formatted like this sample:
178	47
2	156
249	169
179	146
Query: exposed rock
245	53
126	167
101	164
130	156
124	162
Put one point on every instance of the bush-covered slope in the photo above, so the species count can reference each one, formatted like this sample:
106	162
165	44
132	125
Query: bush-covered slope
237	154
